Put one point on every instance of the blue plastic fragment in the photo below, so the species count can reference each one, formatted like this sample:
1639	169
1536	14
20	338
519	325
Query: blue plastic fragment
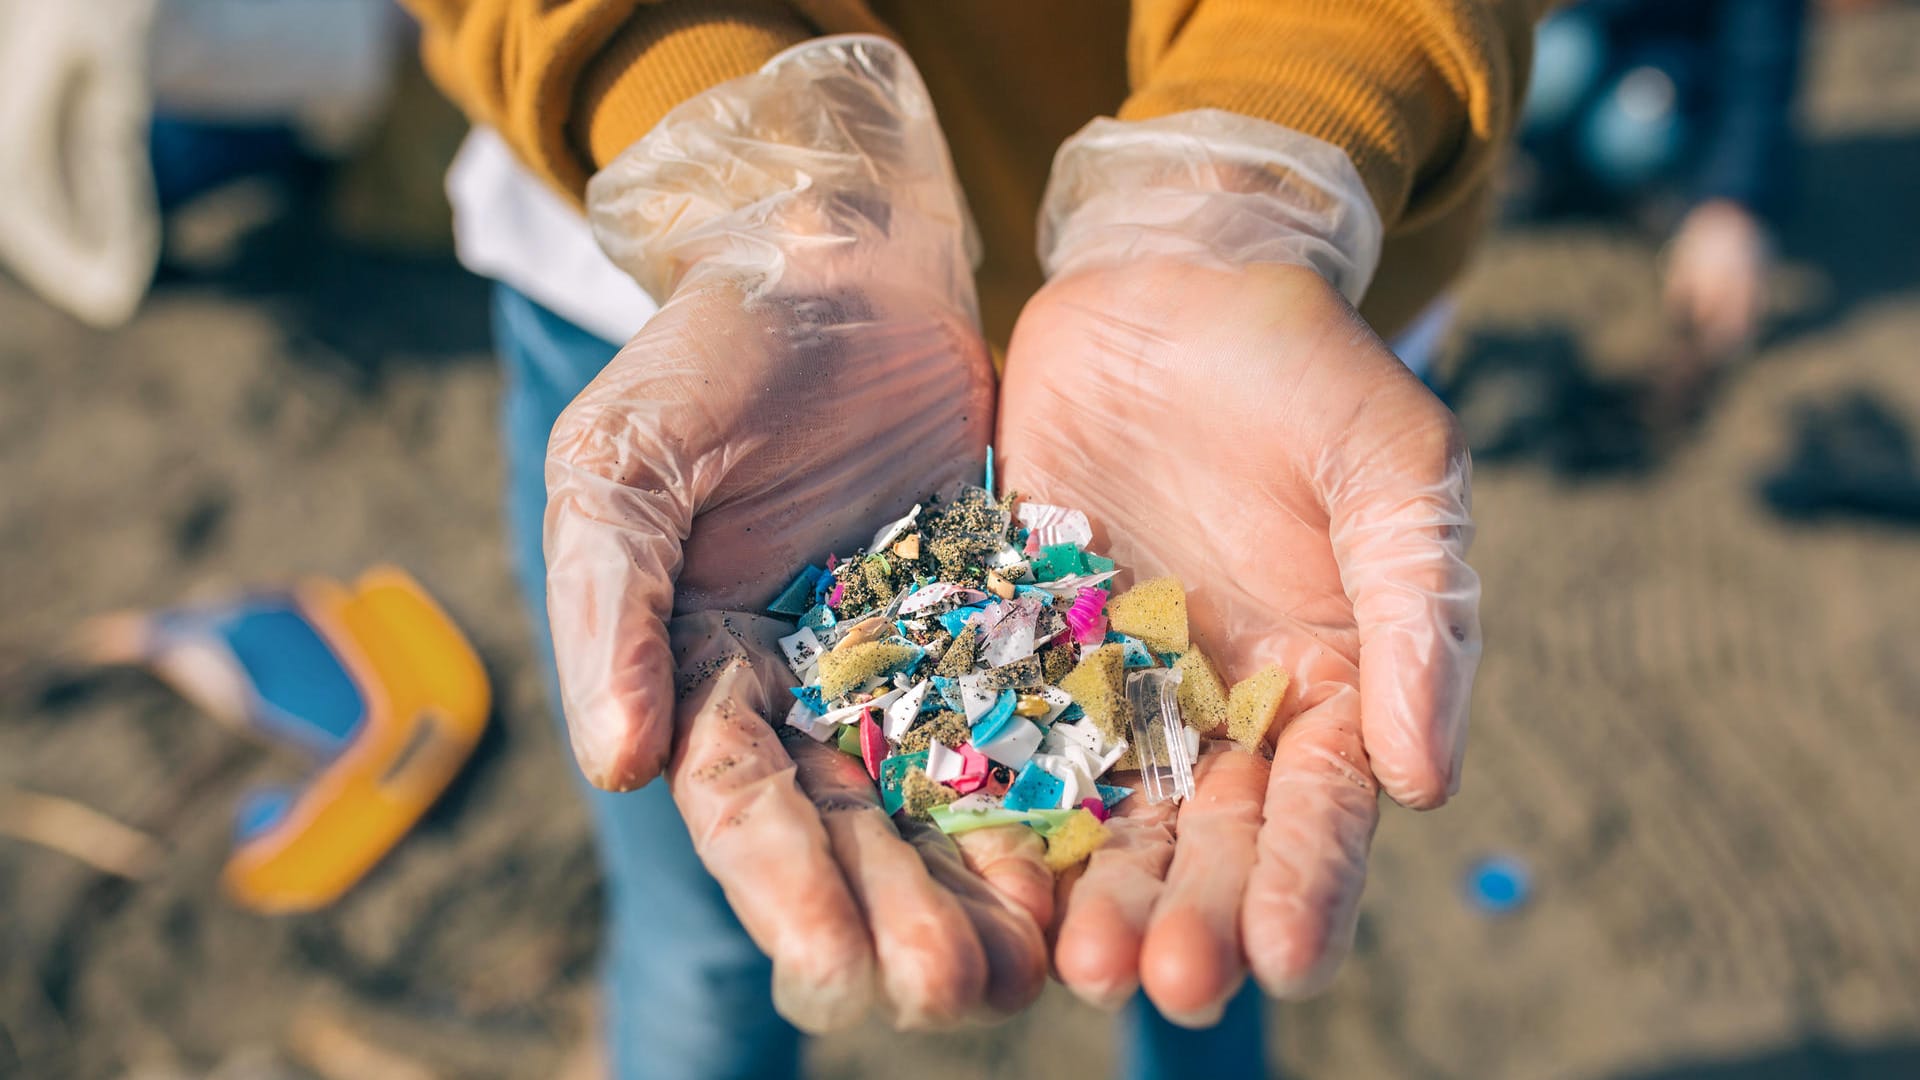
1032	590
989	484
956	620
810	696
820	618
948	691
1136	652
797	597
1071	713
989	726
1112	795
1498	885
1034	789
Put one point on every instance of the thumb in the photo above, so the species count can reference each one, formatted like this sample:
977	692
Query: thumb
1398	500
614	525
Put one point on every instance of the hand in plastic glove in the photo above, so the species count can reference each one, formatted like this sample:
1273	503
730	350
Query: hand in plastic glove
1717	276
815	367
1191	378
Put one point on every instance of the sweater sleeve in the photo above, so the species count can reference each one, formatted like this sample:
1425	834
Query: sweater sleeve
569	84
1420	93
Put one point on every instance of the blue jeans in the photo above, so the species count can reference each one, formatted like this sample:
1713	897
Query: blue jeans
688	995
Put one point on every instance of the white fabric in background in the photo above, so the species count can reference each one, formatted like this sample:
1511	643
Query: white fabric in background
510	227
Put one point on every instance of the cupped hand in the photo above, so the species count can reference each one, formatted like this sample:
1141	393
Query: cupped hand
1244	431
816	369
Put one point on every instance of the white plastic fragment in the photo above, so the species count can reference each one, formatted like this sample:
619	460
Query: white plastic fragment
975	698
893	529
850	714
943	764
1009	637
803	649
1193	743
1073	583
901	713
810	722
1056	524
1014	745
1057	701
977	801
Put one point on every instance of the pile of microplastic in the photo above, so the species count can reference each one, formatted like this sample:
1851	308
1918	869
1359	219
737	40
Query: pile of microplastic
974	658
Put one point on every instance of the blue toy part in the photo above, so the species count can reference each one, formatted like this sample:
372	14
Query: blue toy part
1034	789
307	696
260	810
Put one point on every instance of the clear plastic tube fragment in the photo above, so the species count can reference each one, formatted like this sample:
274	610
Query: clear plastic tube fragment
1159	735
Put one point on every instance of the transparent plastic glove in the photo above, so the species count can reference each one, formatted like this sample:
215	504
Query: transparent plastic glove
815	367
1192	376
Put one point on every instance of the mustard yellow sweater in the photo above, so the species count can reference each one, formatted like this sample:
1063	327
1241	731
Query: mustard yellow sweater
1420	93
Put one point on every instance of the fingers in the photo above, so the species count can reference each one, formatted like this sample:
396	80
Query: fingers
757	831
1191	960
1303	896
1103	909
985	872
932	968
1400	522
613	550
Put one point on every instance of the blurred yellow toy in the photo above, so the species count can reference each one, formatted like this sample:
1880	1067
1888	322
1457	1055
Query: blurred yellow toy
374	681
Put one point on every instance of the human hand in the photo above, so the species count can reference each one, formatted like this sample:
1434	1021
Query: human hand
816	365
1233	423
1716	280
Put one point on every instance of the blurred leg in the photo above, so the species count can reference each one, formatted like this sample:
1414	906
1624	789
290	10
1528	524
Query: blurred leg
1154	1049
688	995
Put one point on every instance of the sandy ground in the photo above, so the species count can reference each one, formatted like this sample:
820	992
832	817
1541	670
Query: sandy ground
1696	721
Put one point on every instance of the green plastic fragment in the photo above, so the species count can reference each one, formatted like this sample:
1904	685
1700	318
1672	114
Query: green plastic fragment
953	822
850	739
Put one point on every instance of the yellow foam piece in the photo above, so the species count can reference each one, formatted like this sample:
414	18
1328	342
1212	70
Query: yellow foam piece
1099	687
1074	839
843	671
1203	697
1253	704
1153	611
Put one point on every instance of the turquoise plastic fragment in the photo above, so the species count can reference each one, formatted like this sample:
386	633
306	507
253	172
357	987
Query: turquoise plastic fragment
821	617
989	477
1034	789
1059	560
1137	654
893	773
1071	713
1097	564
989	726
797	597
1113	796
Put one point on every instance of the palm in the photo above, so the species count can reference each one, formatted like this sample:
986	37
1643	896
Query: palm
1215	425
732	441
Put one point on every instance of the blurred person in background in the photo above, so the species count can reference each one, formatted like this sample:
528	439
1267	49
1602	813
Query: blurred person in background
781	240
120	112
1680	114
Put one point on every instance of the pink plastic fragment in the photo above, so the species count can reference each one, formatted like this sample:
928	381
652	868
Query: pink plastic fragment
973	770
839	593
1087	617
873	744
1033	545
1096	807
